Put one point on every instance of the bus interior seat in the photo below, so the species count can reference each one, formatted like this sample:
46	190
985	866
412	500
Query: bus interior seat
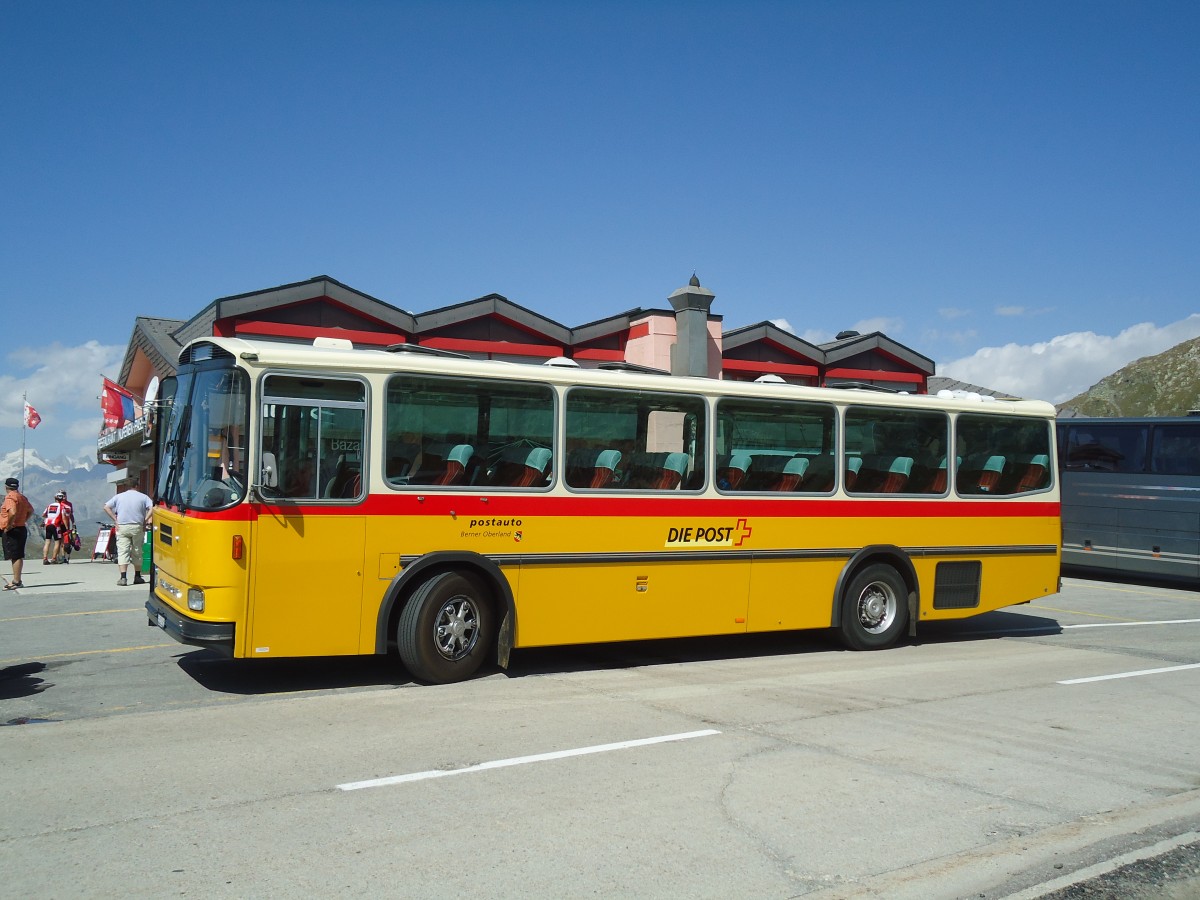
938	485
897	475
346	480
534	468
457	461
400	460
520	467
853	466
673	469
604	468
732	472
819	476
981	475
1031	474
791	476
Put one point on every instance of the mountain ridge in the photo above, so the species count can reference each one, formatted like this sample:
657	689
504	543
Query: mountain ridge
1166	384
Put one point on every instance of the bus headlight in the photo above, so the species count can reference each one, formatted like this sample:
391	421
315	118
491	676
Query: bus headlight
196	599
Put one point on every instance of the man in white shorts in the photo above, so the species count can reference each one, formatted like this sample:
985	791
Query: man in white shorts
130	509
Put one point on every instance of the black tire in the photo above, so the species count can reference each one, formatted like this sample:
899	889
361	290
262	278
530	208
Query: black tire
446	629
874	608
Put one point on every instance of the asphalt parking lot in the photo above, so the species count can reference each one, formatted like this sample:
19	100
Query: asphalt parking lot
1041	748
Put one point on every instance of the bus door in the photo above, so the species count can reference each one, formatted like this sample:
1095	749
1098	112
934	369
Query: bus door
308	537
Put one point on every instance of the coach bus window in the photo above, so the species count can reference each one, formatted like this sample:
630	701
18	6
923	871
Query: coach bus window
1106	448
634	440
894	451
1176	449
460	432
1002	455
773	446
313	429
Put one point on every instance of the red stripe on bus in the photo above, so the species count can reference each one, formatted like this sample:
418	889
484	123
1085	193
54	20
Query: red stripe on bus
497	505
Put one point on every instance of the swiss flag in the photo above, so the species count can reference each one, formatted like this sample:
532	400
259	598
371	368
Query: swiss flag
32	419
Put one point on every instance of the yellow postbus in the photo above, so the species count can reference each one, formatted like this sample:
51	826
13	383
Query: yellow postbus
324	500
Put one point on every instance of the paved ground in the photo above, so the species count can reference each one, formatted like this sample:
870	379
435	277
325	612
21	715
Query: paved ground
1039	749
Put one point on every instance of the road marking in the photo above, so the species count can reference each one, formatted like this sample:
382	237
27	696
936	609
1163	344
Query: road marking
1122	624
38	657
94	612
1076	612
1055	627
523	760
1130	674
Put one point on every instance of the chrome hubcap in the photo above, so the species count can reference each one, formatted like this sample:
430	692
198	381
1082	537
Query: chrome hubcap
456	628
877	607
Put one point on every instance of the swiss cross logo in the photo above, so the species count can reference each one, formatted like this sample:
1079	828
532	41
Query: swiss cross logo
743	531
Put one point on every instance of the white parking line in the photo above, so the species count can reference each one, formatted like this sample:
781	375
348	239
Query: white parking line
1130	674
522	760
1124	624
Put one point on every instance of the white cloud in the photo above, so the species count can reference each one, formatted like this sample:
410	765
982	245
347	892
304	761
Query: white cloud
817	336
82	429
889	326
61	383
783	324
1010	310
953	312
1064	366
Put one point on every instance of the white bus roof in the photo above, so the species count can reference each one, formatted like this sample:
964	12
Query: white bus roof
340	356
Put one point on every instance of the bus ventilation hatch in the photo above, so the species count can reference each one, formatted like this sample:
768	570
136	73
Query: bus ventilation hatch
956	585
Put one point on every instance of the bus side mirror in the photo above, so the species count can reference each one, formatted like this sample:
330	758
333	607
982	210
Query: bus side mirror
270	476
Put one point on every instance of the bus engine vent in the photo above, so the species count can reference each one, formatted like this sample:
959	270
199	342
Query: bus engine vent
956	585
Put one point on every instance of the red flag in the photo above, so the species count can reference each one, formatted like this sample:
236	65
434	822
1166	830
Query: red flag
32	419
116	403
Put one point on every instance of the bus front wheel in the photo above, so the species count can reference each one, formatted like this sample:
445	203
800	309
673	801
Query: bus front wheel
446	629
874	608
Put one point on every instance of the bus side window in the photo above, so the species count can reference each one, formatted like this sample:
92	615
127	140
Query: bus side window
450	431
770	446
634	440
894	451
1002	455
315	428
1176	450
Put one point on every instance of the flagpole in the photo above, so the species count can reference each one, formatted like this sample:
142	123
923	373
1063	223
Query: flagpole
24	401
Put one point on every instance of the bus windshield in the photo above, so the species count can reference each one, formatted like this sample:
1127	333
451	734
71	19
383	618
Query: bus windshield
203	464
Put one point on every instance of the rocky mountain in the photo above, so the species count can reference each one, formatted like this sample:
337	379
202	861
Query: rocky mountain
1164	385
84	481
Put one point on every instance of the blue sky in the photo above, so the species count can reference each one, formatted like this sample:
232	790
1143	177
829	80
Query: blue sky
1008	188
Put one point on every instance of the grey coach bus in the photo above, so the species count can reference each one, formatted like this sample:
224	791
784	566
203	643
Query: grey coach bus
1131	495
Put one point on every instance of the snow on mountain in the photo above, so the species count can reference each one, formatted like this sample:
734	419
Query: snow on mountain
85	482
10	464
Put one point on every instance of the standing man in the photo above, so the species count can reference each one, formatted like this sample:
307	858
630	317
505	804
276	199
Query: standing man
14	513
130	510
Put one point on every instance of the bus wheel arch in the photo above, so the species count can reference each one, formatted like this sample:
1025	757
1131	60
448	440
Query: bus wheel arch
482	573
876	598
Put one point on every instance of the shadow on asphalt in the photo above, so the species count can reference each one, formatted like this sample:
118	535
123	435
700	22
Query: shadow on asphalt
280	676
22	680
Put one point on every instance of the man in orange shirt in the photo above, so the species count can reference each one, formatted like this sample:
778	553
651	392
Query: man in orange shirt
14	513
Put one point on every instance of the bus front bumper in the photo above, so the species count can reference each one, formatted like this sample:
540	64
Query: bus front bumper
216	636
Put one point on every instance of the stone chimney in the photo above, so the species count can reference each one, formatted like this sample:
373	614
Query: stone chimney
689	355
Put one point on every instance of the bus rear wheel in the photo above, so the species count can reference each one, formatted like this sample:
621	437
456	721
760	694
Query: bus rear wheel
874	608
446	629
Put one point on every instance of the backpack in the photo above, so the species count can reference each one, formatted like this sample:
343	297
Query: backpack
54	514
